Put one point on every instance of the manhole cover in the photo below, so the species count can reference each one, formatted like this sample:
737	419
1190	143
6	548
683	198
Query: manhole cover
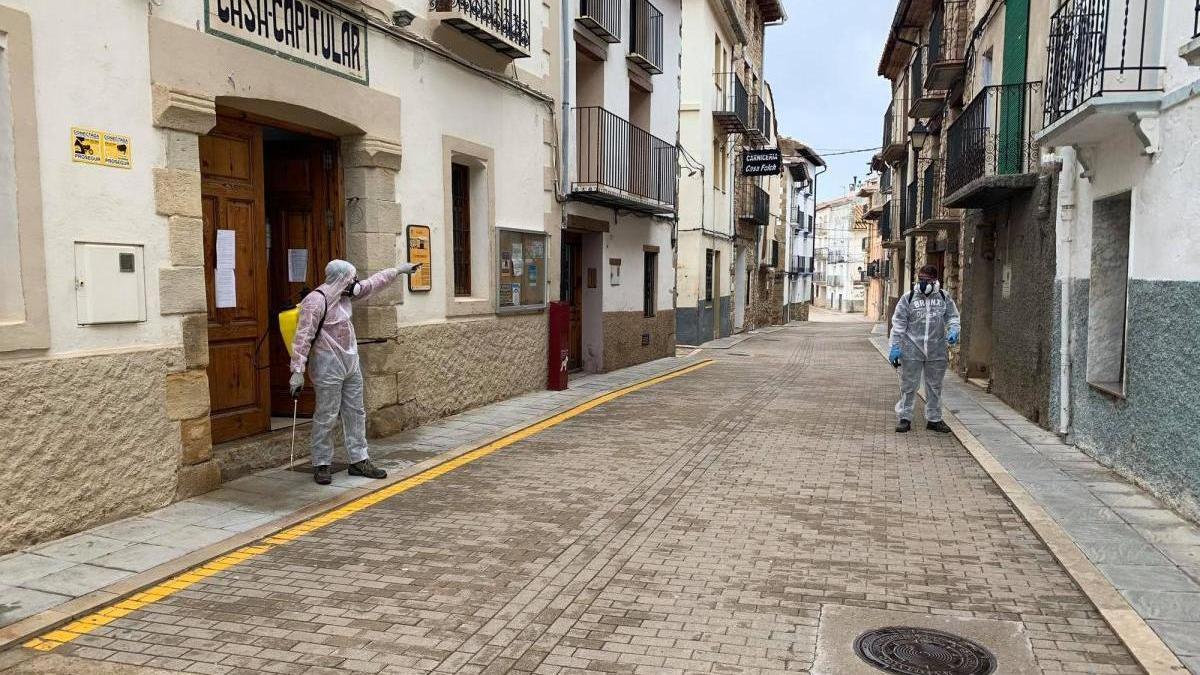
921	651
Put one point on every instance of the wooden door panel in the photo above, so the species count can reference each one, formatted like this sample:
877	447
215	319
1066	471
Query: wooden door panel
232	199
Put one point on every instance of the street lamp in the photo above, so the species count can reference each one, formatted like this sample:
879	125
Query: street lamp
919	136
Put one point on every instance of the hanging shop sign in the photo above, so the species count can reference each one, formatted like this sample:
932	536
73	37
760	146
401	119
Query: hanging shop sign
420	251
311	32
767	162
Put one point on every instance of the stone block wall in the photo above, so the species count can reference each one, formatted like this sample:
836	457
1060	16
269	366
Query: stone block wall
88	440
623	333
431	371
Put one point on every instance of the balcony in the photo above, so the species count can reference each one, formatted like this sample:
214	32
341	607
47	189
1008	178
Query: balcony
908	208
889	232
759	131
934	215
925	103
754	204
990	150
1191	51
602	18
646	36
895	139
1104	65
503	25
623	166
948	36
731	109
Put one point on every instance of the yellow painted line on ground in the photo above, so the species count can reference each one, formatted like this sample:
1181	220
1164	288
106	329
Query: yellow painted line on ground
71	631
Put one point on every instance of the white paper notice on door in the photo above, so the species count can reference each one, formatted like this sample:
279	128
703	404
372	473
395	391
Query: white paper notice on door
297	265
226	288
226	244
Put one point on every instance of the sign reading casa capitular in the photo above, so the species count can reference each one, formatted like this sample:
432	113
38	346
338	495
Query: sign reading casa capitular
761	162
306	31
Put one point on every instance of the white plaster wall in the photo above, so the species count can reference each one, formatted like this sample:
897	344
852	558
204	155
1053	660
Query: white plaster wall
625	241
437	99
86	76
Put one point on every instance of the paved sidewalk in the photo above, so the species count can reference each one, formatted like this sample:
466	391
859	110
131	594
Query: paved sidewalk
50	574
1146	551
753	516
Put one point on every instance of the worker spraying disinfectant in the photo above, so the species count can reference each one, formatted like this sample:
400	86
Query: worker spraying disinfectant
325	345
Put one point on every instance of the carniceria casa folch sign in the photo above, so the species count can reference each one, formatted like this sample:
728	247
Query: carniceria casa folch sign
311	32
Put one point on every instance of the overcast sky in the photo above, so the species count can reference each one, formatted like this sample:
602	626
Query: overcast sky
822	68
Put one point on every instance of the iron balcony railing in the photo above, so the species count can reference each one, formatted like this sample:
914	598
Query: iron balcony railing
933	182
602	17
885	181
621	164
760	122
885	222
895	129
911	200
732	105
994	135
755	203
1196	22
948	37
646	35
889	127
1102	46
916	76
799	216
506	18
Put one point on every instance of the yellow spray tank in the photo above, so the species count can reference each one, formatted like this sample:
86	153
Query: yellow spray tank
288	320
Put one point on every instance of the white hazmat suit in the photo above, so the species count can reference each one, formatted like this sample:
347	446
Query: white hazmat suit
333	364
919	327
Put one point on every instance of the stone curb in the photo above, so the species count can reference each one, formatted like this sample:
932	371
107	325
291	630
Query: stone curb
16	633
1151	653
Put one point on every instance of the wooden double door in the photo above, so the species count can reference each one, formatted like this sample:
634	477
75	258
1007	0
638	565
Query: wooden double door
274	193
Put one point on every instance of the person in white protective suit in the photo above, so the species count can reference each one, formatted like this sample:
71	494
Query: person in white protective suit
925	321
325	327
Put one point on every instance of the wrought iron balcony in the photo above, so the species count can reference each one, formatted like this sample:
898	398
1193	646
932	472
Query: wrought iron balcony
1099	47
1196	22
500	24
885	181
602	18
934	214
990	148
731	109
646	36
754	204
948	37
759	132
895	139
926	102
621	165
890	223
912	197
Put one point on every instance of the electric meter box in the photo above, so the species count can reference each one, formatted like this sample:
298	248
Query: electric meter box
110	283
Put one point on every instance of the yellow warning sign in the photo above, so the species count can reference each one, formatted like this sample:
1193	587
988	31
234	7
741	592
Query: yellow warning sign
117	151
101	148
87	146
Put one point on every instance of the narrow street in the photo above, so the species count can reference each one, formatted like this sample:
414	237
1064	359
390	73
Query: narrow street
750	516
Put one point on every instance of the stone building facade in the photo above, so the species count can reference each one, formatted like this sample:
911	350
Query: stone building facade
160	382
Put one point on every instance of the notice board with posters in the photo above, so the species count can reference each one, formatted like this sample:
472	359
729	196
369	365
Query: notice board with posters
521	282
420	251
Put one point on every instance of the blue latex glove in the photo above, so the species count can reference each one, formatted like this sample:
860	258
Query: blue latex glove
952	338
894	355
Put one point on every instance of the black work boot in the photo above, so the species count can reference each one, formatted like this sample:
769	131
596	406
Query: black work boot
904	426
322	476
366	468
938	426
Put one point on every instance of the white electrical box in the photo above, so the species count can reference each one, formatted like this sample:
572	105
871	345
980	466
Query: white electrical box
110	283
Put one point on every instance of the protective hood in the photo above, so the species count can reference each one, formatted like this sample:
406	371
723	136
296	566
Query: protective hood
339	275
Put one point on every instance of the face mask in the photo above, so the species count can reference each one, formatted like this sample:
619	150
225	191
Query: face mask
927	287
351	290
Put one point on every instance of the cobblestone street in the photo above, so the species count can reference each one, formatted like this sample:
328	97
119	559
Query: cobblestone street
709	523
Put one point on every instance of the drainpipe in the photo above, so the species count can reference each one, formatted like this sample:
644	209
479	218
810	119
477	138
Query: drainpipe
567	46
812	285
1066	223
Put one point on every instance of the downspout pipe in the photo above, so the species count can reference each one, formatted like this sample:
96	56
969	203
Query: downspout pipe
566	45
812	284
1065	226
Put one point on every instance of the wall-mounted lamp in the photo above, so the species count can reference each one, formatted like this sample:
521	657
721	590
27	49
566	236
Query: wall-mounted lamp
919	136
